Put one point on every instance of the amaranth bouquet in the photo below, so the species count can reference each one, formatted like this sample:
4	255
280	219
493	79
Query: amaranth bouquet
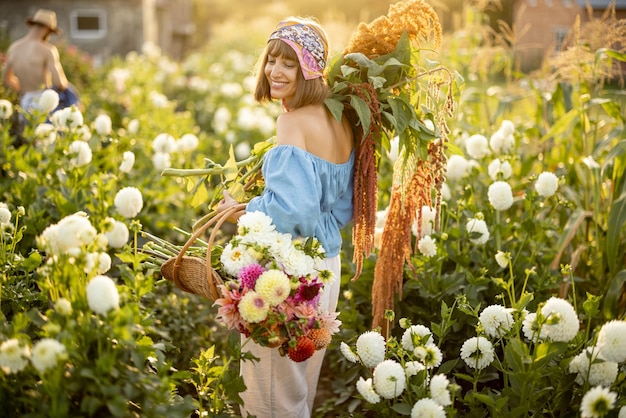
272	287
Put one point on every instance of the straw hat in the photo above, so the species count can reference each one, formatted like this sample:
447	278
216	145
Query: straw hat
47	18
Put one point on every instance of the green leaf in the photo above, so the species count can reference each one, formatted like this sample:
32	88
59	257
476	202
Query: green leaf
200	196
378	82
591	306
546	351
620	56
403	113
231	171
562	126
612	295
335	107
33	261
617	220
402	408
363	112
614	110
362	61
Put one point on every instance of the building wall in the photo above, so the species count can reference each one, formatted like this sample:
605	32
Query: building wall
542	25
127	24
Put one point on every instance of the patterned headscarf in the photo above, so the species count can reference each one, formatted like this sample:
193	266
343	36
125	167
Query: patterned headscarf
308	45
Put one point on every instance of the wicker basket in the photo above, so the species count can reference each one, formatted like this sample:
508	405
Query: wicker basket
194	274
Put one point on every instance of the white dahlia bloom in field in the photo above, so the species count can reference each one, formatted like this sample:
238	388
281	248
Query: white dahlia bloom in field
597	402
133	126
612	341
427	246
63	307
97	262
547	183
161	161
439	390
47	353
102	124
561	322
427	408
67	118
496	320
502	141
592	368
389	379
117	233
366	390
500	195
242	150
530	327
48	101
499	169
158	99
187	143
348	353
165	143
427	225
102	295
128	161
457	167
502	258
477	146
477	352
415	336
6	109
221	120
394	149
14	356
411	368
69	236
371	347
128	202
429	354
5	214
80	153
477	228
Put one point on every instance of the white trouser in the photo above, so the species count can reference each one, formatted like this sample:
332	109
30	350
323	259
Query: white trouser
276	386
29	100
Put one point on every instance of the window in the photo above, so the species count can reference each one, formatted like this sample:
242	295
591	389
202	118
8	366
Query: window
560	34
88	24
568	4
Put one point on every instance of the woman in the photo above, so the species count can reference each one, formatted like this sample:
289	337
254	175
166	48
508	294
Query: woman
308	192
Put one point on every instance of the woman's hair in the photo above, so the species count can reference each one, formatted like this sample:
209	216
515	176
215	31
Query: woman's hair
313	91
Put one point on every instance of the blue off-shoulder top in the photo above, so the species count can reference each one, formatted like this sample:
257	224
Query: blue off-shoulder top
306	195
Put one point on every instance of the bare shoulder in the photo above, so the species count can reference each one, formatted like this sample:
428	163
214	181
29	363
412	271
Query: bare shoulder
290	130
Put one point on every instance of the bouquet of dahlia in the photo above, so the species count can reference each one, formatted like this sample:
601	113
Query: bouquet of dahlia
272	288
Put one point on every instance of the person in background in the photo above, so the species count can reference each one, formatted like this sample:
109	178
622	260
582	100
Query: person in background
33	65
308	193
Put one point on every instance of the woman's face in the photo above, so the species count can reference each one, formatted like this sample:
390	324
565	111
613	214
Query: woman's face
281	74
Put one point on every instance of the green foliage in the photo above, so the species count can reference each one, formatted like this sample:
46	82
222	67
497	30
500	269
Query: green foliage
393	80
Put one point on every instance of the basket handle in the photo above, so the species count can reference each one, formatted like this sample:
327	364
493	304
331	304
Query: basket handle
218	220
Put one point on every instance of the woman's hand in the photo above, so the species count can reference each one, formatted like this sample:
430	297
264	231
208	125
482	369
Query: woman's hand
227	202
